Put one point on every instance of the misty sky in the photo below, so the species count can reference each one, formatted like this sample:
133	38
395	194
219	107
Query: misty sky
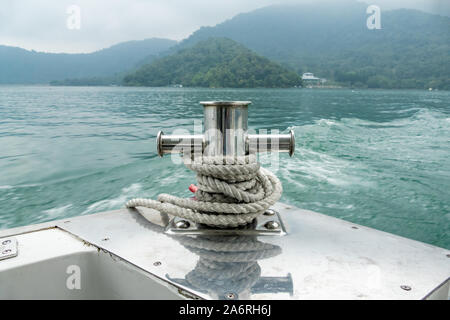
42	24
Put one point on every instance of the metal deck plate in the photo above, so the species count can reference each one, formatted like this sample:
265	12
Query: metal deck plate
265	224
8	248
320	257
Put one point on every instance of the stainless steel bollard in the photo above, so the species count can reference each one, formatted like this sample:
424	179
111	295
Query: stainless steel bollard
226	134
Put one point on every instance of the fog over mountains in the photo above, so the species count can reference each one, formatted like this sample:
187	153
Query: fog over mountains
19	66
411	50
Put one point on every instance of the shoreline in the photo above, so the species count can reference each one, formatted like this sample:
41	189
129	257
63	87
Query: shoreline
209	88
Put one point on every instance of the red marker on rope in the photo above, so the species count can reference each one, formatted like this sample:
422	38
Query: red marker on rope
193	188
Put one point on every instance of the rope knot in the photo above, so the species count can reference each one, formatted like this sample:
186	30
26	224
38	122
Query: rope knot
232	191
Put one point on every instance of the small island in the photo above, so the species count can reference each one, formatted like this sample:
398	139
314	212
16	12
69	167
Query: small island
214	63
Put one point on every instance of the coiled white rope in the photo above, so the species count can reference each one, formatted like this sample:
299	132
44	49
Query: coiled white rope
232	191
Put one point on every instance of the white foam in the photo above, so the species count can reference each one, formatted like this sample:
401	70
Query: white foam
316	166
327	122
114	203
56	212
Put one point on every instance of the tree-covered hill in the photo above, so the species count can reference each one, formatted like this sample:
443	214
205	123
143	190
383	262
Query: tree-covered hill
216	62
411	50
22	66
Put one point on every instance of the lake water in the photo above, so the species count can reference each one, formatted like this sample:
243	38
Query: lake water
377	158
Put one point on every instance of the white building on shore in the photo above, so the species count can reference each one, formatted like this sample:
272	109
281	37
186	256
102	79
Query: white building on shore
309	76
310	80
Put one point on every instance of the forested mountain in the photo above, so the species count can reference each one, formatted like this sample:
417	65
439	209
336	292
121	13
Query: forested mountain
411	50
216	62
22	66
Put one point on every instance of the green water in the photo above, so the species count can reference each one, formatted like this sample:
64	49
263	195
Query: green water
377	158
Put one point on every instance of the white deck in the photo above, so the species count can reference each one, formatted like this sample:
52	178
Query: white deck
122	255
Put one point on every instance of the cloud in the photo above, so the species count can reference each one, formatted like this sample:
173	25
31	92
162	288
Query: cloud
42	24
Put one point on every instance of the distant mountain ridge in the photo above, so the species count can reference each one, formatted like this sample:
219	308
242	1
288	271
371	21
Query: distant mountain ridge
28	67
329	39
332	41
215	62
